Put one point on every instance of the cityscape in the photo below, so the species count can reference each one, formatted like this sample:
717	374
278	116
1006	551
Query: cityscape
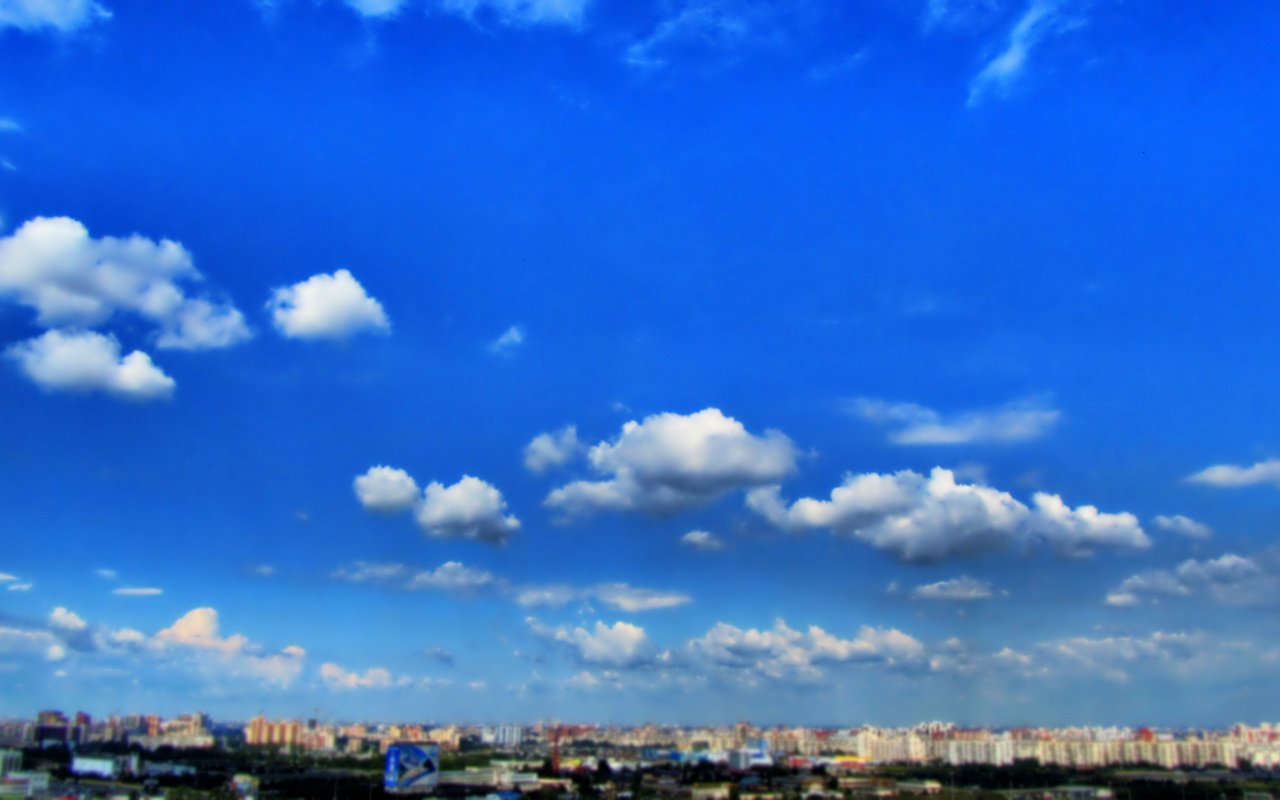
639	399
285	757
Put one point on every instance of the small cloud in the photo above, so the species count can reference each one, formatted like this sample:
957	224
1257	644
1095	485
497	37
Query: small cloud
67	620
137	591
19	587
386	489
702	540
1183	526
961	589
507	343
549	450
1233	476
106	574
262	570
326	307
469	509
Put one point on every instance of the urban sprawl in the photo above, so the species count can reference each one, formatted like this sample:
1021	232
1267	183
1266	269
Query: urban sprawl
136	755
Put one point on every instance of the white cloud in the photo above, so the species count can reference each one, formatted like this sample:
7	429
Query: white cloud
553	596
469	509
377	8
106	574
1183	526
263	570
786	653
912	424
90	362
720	27
672	462
199	628
58	15
19	587
370	572
454	577
386	489
6	577
335	677
962	588
921	519
1231	476
619	645
138	591
1042	19
71	279
508	342
569	13
555	449
625	597
702	540
1229	579
67	620
326	307
56	652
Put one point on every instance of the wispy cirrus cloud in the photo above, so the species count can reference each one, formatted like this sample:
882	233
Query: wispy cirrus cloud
961	589
914	424
456	578
61	16
1042	20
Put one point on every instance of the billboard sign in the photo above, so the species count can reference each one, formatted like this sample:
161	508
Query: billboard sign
412	768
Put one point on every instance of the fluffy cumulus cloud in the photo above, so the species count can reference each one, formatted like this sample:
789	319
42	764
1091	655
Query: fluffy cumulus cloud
549	450
912	424
326	307
193	643
85	361
1041	20
469	509
71	279
67	620
1263	473
63	16
1183	526
620	645
1229	579
702	540
672	462
386	489
783	652
962	589
925	519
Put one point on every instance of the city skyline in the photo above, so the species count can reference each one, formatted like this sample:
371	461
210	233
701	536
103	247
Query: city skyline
686	361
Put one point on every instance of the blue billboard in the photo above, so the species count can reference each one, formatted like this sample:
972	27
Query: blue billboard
412	768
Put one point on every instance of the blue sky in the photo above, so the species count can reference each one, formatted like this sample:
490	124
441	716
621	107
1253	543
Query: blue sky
681	361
